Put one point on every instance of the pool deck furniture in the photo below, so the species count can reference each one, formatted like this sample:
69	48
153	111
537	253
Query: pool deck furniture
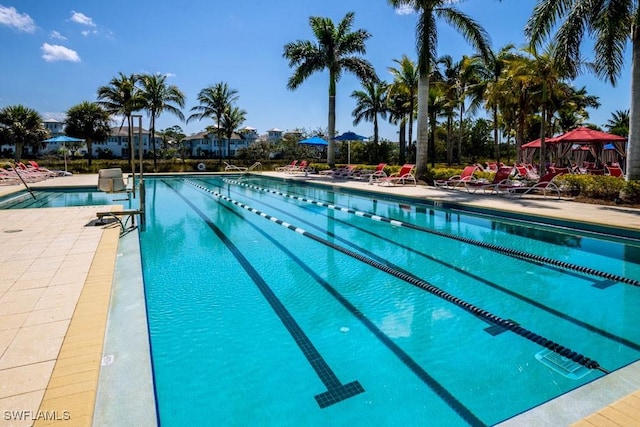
458	181
403	176
544	185
73	256
500	184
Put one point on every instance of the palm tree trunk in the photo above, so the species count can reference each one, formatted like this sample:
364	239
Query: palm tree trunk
495	135
411	106
153	141
423	126
132	160
331	149
460	135
449	140
403	142
633	148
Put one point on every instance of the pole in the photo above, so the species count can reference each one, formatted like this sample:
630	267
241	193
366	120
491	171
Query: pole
142	189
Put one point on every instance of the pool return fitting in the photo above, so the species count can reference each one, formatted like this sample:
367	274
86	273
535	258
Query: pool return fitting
416	281
500	249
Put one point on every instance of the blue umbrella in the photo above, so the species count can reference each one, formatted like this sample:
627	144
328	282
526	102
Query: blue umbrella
314	140
63	139
349	136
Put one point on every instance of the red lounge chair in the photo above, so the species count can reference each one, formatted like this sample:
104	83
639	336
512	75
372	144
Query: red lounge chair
287	167
614	171
402	177
457	180
545	184
373	175
500	184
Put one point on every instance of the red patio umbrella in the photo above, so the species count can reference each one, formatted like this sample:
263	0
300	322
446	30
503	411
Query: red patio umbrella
588	135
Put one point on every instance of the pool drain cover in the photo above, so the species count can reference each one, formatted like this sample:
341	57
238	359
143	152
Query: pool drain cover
565	367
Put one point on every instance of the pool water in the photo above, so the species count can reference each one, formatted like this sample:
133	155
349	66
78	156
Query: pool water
64	197
266	308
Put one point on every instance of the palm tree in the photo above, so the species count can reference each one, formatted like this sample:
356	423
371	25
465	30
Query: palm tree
158	97
618	124
612	24
232	118
214	102
88	121
544	73
447	80
426	41
397	106
336	49
22	127
405	81
370	103
493	95
122	97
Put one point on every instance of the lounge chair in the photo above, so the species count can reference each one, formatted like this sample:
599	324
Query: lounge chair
614	171
500	184
404	176
372	175
287	167
458	180
233	168
335	171
298	168
544	184
345	173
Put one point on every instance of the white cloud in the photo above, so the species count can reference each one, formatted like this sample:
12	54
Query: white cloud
20	21
54	52
82	19
405	9
57	35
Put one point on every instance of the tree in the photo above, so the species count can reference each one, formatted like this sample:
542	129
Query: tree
612	24
122	97
214	101
426	41
22	126
618	124
88	121
405	82
370	103
157	97
232	118
336	49
173	137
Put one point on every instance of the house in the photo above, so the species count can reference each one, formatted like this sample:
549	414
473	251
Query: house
208	145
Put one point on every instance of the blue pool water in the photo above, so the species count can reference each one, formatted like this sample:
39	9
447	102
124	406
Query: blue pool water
341	318
64	197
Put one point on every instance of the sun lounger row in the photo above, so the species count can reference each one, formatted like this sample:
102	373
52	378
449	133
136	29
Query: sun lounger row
511	181
19	172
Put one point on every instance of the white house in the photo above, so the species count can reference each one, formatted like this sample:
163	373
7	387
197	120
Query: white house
207	144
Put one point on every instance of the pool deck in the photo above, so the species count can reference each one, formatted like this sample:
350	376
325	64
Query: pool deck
59	294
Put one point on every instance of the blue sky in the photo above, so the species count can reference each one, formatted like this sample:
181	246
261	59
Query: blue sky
56	54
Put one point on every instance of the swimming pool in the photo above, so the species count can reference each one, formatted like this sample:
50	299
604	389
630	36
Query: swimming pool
273	302
64	197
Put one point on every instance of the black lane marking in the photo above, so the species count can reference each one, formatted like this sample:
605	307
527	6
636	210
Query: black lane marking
424	285
515	253
336	391
457	406
592	328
